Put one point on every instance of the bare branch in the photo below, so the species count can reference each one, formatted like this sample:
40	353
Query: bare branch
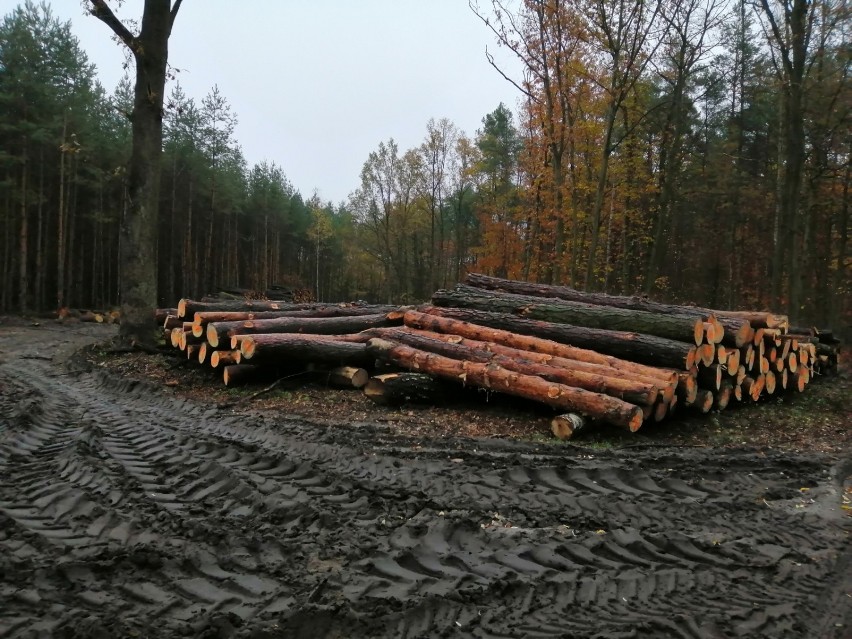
174	13
526	92
100	9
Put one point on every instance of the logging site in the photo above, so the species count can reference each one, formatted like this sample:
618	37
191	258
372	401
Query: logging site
482	320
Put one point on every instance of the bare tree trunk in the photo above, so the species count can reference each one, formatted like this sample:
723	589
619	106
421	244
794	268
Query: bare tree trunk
23	275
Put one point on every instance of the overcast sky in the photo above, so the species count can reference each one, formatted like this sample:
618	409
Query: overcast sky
317	84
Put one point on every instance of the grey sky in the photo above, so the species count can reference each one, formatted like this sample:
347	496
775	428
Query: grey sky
317	84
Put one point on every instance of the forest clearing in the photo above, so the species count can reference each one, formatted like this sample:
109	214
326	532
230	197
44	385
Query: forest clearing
579	367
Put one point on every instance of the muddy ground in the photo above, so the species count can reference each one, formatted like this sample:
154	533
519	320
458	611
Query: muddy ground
135	509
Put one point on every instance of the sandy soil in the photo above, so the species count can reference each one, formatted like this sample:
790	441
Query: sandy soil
134	508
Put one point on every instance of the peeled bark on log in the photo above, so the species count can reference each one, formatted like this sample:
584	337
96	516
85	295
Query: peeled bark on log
217	331
675	327
627	390
644	349
284	348
236	374
438	323
224	358
404	388
493	377
566	426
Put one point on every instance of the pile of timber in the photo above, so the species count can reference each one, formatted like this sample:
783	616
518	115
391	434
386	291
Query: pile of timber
622	360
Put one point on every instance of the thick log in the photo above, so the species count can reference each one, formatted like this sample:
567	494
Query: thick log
687	388
533	345
202	352
285	348
737	332
497	378
670	326
236	374
706	353
771	381
630	391
566	426
733	363
218	331
403	388
637	347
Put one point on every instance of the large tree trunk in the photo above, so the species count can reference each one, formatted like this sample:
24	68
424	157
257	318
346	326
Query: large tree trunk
138	234
287	347
493	377
681	327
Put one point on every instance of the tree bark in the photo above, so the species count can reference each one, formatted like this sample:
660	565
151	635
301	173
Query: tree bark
644	349
286	347
217	331
403	388
138	243
237	374
640	393
670	326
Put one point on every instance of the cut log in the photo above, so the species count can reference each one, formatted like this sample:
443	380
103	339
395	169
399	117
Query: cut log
493	377
202	352
172	321
161	314
347	377
236	374
687	388
474	351
566	426
704	401
224	358
439	323
733	363
738	392
707	353
403	388
670	326
644	349
770	384
336	310
710	377
284	348
191	351
188	308
218	331
722	397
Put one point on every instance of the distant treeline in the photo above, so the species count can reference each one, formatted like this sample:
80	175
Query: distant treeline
654	151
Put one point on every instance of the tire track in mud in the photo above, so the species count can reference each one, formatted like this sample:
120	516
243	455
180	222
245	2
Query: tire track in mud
124	509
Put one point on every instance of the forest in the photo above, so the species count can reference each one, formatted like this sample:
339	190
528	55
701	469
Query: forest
695	151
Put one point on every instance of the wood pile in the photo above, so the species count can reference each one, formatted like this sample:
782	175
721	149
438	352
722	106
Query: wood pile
591	357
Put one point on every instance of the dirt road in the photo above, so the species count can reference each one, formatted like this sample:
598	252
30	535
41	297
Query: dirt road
125	511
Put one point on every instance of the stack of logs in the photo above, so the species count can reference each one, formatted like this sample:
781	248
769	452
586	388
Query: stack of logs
622	360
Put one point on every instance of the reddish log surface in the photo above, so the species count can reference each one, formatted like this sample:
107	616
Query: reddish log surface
637	347
287	347
493	377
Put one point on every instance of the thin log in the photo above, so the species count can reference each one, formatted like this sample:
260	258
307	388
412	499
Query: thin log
491	376
704	401
218	331
172	321
161	314
722	397
224	358
335	310
188	308
347	377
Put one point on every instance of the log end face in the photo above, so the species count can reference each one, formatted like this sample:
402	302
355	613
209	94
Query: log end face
212	336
